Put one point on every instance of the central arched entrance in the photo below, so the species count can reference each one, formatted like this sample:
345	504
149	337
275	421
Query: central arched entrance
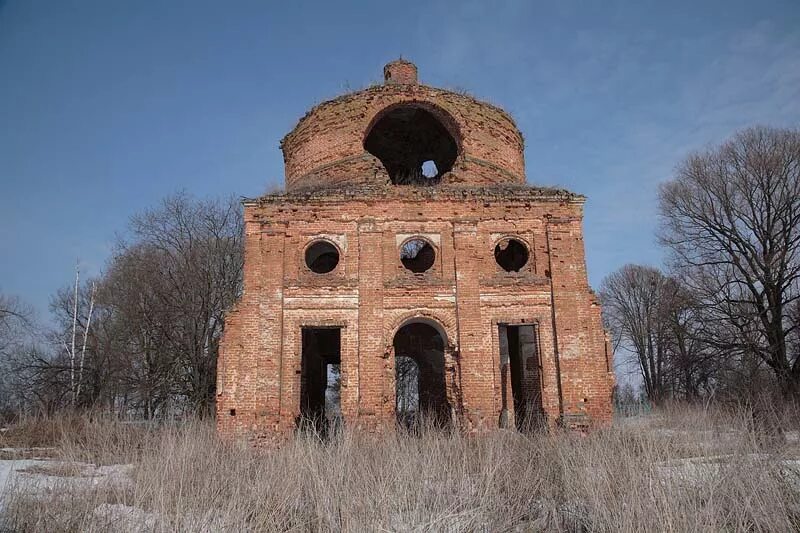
420	383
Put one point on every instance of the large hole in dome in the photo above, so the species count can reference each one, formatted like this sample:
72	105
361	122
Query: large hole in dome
413	145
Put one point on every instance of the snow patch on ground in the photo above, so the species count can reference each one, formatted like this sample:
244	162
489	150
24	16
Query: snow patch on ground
38	478
41	478
7	470
119	517
697	470
36	452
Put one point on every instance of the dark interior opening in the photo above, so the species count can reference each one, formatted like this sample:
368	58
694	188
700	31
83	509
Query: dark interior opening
421	392
417	255
406	372
511	255
320	406
520	368
413	145
322	257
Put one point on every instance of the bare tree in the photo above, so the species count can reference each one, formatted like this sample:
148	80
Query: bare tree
731	218
174	282
14	318
75	344
143	338
34	368
140	325
76	364
16	324
692	364
407	388
636	306
795	321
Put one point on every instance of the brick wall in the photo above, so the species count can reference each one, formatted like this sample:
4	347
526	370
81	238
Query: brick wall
340	193
370	295
400	72
327	145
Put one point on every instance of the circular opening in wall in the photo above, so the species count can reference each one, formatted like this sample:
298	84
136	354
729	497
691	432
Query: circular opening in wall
417	255
322	257
511	255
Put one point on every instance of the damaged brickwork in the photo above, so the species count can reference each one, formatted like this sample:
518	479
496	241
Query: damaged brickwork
408	254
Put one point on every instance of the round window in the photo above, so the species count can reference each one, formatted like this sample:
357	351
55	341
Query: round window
322	257
417	255
511	255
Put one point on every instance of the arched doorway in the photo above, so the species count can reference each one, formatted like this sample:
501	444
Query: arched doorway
420	382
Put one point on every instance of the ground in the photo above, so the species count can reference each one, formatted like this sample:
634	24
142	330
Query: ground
681	469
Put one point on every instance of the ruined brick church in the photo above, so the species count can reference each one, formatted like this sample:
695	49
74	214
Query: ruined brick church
409	271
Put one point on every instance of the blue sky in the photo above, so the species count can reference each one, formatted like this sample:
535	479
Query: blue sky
106	107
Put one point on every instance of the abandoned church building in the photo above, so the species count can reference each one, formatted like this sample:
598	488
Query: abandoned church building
408	270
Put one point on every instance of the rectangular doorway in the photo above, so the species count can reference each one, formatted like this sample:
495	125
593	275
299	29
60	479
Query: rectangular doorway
521	373
320	383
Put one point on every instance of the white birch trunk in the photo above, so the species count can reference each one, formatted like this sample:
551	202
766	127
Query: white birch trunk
85	337
74	332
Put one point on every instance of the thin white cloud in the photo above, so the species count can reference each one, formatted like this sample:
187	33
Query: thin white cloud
610	112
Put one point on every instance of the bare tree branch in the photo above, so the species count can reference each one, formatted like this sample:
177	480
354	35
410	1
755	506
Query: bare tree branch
731	218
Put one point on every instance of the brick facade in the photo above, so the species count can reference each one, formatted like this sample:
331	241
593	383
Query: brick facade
532	335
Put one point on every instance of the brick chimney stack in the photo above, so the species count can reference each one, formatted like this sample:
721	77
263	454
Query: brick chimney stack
400	72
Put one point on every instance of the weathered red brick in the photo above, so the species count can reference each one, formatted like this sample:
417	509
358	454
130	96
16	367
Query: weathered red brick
338	191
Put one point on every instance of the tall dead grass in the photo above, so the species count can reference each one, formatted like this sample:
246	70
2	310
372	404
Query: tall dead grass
682	469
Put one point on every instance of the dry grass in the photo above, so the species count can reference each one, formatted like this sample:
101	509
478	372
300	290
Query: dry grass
634	476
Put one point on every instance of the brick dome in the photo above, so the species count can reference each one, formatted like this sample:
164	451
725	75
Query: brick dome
403	133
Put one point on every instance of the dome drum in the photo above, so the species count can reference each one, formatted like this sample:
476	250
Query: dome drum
403	133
